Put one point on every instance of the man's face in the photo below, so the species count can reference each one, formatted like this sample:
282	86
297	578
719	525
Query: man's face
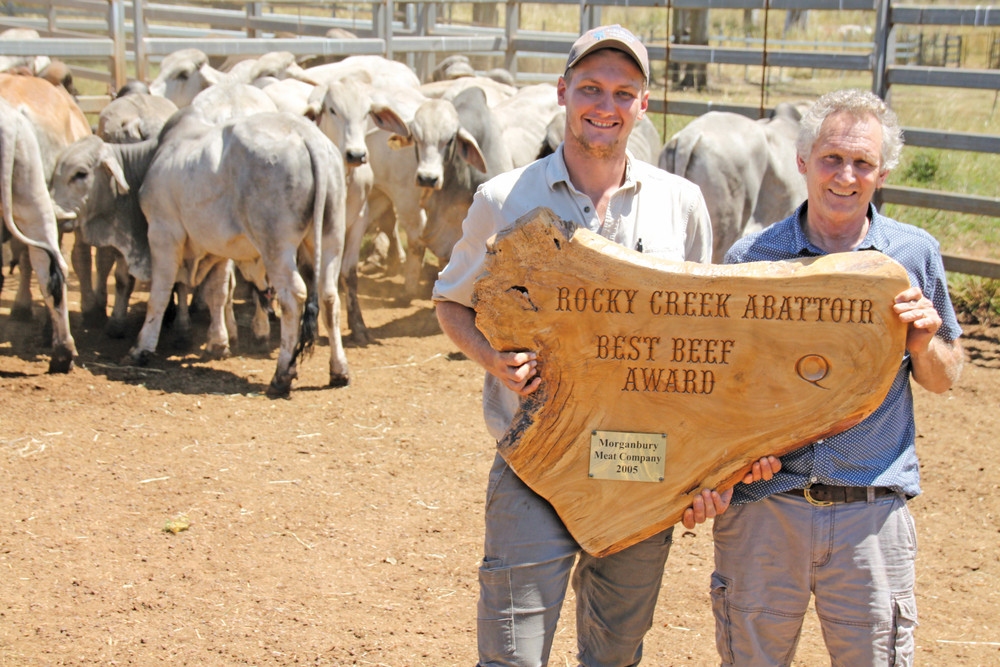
843	170
604	96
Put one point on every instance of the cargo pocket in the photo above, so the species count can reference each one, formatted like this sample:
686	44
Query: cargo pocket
495	622
905	612
720	609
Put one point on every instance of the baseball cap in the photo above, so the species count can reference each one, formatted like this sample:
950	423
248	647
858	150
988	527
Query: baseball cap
609	37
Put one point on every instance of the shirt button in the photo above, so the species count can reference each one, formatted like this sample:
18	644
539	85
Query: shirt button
819	442
586	209
813	480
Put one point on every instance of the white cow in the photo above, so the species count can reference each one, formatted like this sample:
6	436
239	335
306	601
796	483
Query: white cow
746	169
449	89
376	71
29	217
228	100
185	73
457	145
255	190
130	118
524	120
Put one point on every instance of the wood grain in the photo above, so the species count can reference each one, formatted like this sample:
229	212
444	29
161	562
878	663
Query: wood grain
732	363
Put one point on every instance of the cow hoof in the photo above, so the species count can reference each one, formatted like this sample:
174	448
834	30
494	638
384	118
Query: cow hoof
182	342
218	351
61	361
279	387
21	313
138	357
115	329
361	337
95	317
260	343
338	380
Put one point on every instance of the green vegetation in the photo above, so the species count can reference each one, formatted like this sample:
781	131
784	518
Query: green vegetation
976	299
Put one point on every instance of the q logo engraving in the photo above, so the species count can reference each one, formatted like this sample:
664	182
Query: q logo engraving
813	368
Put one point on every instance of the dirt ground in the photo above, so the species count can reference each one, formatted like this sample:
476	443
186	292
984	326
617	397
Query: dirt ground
343	526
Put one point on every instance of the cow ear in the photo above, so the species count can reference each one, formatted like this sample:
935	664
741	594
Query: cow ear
314	105
119	185
468	148
388	120
397	142
210	75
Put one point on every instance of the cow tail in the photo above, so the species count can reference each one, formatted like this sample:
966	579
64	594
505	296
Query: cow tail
309	330
8	149
679	152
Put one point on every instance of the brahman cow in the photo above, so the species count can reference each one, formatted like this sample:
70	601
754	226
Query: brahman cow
129	118
256	190
746	169
29	218
57	122
457	145
185	73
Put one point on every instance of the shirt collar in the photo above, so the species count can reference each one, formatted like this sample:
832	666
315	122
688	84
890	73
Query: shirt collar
875	237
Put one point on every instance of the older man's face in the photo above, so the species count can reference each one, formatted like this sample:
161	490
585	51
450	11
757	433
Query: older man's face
843	170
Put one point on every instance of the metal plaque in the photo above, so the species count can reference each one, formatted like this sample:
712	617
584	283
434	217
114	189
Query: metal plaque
627	456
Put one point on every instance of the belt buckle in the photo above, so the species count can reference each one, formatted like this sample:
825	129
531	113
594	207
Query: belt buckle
813	501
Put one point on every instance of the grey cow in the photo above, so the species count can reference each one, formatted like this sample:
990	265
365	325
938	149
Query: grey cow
29	218
746	169
256	190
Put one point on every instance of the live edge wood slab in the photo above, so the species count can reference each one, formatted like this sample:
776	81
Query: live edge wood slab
706	367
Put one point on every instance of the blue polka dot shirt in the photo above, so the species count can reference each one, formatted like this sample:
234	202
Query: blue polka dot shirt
879	451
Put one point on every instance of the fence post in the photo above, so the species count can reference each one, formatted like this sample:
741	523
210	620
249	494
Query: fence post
880	56
139	36
116	27
512	23
253	11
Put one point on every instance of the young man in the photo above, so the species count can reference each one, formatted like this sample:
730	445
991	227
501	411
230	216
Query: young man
529	554
834	523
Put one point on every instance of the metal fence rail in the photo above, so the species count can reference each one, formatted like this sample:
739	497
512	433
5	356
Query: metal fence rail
117	35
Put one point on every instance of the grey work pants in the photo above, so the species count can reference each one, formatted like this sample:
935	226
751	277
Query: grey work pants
528	561
858	559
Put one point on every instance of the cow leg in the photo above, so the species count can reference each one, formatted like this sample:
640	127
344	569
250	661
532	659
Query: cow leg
21	308
181	324
63	345
94	310
357	221
340	375
291	293
166	263
413	223
217	290
124	284
260	326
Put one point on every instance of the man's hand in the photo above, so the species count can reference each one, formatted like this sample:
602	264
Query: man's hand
710	504
922	319
517	371
937	363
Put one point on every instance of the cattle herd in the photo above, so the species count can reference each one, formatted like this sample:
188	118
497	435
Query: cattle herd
272	173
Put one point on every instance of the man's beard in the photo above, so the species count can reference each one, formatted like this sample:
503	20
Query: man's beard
600	151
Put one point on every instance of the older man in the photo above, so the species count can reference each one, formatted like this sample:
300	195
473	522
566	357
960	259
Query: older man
590	179
833	522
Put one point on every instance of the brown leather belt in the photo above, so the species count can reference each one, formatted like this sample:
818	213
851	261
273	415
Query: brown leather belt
821	494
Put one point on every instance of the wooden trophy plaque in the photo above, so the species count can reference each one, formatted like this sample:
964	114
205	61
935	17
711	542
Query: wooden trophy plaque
662	378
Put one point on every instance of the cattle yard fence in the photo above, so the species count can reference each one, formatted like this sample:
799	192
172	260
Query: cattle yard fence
118	39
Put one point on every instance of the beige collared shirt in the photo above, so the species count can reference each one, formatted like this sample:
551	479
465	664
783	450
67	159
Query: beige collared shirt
653	211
